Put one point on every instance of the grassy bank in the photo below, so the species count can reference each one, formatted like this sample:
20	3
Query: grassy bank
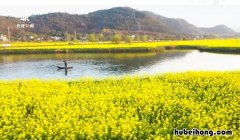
223	46
128	108
39	50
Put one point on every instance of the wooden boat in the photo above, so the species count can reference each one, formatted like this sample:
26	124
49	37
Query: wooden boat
59	67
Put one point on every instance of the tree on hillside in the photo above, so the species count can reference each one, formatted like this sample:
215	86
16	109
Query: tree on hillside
116	39
137	38
100	37
78	36
128	39
144	38
67	37
91	38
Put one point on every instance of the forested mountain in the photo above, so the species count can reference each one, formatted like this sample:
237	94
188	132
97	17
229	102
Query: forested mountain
123	20
221	30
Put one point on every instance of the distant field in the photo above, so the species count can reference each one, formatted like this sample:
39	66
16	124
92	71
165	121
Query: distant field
227	45
209	43
113	109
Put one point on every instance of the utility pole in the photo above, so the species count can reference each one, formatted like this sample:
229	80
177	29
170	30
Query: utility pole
75	35
9	39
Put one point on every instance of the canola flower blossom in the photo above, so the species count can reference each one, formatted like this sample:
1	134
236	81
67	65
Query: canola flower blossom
127	108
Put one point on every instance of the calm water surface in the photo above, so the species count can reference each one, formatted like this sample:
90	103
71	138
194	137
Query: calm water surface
44	66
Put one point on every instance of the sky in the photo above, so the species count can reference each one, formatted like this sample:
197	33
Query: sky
202	13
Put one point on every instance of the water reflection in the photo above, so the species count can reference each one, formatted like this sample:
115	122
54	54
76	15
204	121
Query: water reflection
100	65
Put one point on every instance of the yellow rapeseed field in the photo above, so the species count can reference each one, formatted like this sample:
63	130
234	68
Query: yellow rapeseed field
127	108
207	43
210	45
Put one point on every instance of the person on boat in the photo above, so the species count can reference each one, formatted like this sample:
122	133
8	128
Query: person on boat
65	63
